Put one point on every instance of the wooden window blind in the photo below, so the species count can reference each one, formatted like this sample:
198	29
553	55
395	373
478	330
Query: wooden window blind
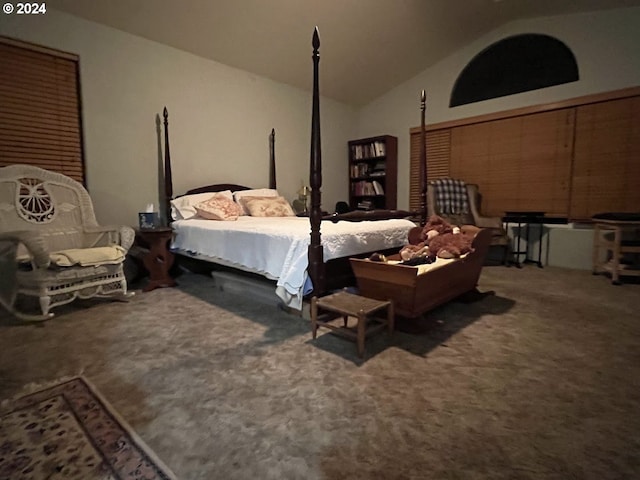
573	158
519	163
438	154
606	169
40	121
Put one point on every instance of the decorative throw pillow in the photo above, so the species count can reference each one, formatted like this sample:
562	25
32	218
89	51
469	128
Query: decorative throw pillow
219	207
183	208
258	192
268	207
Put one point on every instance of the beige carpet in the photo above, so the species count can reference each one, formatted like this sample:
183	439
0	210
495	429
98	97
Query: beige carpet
538	381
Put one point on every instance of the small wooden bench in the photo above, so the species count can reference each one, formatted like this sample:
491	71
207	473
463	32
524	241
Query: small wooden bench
350	305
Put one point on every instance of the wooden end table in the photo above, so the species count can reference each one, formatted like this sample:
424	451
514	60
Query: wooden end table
350	305
159	259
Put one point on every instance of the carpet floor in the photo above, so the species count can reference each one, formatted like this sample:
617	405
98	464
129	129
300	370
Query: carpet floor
537	379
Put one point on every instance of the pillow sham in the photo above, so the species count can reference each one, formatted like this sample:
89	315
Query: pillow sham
219	207
258	192
183	208
269	207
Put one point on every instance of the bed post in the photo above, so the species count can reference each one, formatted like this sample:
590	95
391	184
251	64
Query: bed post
315	254
168	180
423	161
272	159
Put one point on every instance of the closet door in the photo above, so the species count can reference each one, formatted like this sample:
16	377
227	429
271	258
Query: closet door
606	169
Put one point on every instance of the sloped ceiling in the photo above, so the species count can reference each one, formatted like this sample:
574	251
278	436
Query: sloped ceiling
367	46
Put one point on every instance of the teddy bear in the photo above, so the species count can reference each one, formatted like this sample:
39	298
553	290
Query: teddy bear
439	238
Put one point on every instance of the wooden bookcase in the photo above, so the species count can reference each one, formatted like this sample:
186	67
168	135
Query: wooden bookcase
373	173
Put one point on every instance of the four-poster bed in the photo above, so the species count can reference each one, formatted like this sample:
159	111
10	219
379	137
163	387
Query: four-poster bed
316	258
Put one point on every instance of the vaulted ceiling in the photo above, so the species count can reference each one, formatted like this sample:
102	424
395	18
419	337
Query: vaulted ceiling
367	46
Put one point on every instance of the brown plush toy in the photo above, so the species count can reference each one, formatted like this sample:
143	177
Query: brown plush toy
436	225
442	240
450	245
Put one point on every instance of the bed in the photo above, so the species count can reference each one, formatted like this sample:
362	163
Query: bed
303	255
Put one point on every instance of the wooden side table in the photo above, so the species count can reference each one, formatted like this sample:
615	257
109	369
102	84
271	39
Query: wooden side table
159	259
350	305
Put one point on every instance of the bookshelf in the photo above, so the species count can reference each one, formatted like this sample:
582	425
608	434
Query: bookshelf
373	173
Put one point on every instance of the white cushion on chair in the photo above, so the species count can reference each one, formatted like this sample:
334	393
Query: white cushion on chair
88	256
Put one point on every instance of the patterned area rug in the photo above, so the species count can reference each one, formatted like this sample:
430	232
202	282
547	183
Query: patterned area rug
69	431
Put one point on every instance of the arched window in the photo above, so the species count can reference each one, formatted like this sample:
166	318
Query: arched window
513	65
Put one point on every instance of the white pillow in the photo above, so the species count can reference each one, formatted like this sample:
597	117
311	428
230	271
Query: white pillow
183	208
258	192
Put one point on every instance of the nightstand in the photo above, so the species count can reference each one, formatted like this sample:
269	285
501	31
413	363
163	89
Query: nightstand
158	259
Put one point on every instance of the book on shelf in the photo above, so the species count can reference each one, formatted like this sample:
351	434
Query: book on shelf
368	150
380	165
363	188
377	188
359	170
365	205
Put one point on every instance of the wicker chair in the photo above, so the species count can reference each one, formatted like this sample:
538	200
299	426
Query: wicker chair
499	236
51	246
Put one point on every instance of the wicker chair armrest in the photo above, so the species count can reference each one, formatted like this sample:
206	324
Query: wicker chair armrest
109	234
34	243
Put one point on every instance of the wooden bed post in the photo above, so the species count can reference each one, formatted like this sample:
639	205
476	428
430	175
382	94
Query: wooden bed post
315	254
168	180
423	161
272	159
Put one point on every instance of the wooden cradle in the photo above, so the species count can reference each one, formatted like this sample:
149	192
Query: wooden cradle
412	293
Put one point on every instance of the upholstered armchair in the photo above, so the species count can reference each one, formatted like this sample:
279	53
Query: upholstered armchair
470	215
51	246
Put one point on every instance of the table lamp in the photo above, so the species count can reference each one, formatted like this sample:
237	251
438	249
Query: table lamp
303	194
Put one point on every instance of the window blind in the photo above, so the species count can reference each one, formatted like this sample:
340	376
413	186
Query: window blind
40	122
438	154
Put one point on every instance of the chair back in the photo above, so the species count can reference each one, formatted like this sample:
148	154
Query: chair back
457	218
54	205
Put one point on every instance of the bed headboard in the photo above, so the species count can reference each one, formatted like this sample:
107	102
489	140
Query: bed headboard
216	187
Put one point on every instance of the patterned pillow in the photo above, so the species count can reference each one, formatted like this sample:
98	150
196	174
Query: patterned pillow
219	207
268	207
257	192
183	208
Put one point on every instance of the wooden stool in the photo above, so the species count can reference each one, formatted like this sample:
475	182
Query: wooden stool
348	304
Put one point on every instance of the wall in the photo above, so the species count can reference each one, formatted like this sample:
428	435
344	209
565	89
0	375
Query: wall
220	118
605	46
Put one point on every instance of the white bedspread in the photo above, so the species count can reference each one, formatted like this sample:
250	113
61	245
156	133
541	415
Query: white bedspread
277	247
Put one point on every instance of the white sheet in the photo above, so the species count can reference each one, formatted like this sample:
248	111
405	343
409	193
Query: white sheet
277	247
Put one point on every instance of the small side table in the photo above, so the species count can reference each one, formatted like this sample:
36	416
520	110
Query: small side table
616	225
348	304
159	259
526	218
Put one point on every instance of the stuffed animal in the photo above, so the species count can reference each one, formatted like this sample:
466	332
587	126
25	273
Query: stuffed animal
441	239
450	245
